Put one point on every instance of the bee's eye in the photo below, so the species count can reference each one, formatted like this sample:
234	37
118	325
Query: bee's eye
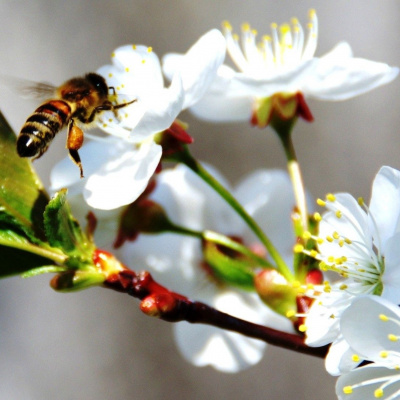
99	82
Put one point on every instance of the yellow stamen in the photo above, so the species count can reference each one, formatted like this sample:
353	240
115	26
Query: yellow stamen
347	390
330	197
393	338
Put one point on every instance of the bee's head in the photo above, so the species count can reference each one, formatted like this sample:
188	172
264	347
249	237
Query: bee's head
98	82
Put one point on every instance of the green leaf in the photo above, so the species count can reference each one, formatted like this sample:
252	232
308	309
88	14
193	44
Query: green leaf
22	196
64	232
231	270
14	261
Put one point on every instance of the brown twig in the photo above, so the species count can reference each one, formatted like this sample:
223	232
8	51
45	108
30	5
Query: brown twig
172	307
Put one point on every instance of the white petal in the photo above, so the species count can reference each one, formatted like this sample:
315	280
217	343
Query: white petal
367	333
223	107
65	174
353	224
160	111
268	197
136	67
385	202
120	181
200	65
340	77
339	358
391	275
226	351
366	391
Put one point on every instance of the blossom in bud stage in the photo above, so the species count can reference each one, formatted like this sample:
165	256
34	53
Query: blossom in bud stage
371	326
118	168
282	63
361	244
177	261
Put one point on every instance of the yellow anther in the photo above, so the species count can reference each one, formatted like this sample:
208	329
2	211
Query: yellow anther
235	37
149	49
296	284
267	38
383	354
320	240
360	201
355	358
313	253
105	125
343	287
134	46
294	21
393	338
331	259
306	235
126	69
226	25
341	243
310	25
112	55
312	13
245	27
326	283
329	239
378	393
338	214
298	248
290	313
348	241
301	290
302	328
254	32
110	75
335	235
310	286
330	197
347	390
274	25
317	216
321	202
143	61
327	289
110	120
284	28
323	266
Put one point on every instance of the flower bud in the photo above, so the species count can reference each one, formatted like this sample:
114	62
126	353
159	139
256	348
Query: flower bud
275	291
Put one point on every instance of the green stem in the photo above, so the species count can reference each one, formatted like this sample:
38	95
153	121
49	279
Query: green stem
220	239
284	131
186	158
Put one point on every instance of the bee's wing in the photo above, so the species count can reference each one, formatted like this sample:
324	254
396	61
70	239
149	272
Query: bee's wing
28	89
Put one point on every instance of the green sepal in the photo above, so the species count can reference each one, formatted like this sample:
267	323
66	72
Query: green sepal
63	232
230	270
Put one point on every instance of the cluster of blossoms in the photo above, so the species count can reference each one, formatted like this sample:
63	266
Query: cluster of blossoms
123	186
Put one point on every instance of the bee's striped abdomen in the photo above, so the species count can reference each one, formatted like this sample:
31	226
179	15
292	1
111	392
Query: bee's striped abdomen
41	127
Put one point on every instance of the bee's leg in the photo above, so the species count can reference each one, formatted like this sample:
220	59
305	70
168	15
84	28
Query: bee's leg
106	106
74	143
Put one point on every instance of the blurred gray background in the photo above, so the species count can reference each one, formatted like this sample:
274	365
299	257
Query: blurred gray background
97	344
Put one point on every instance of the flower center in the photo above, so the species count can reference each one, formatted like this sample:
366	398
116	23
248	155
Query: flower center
356	255
284	49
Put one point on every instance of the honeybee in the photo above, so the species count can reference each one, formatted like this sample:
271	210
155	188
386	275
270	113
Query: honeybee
77	101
